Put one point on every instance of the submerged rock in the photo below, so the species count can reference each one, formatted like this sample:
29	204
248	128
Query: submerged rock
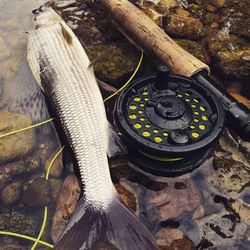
184	27
230	55
19	144
37	193
170	238
19	221
11	194
65	206
222	229
195	49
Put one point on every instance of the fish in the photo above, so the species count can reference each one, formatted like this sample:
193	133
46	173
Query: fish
62	68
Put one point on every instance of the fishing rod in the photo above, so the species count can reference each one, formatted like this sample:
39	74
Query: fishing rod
140	29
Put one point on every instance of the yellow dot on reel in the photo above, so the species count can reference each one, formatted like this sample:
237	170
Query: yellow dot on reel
142	119
145	133
193	106
196	100
137	125
204	118
142	104
146	98
196	113
165	134
202	127
192	126
158	139
140	112
132	116
132	107
187	100
156	131
145	93
196	120
147	126
179	95
203	108
137	99
195	134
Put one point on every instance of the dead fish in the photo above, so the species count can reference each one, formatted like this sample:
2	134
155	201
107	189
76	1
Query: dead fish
61	66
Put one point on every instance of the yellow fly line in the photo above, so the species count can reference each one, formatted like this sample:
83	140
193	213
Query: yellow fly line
129	80
45	215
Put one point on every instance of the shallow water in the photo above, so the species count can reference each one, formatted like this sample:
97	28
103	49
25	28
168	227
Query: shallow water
208	208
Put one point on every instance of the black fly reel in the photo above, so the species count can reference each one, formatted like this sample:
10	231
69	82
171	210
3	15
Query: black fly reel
169	123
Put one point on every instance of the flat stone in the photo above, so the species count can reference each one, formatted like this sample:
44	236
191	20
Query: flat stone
37	193
184	27
19	144
65	206
11	194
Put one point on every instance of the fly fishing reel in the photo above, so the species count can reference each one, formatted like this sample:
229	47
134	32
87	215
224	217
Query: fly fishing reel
169	123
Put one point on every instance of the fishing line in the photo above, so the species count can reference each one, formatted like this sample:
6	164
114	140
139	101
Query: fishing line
129	80
26	128
26	237
45	216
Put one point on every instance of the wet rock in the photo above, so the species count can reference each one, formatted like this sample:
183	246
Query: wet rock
245	148
242	209
217	3
237	18
195	49
11	194
118	65
168	239
17	168
127	197
65	206
19	221
227	176
19	144
229	55
184	27
57	167
10	68
222	229
4	50
169	200
37	193
56	187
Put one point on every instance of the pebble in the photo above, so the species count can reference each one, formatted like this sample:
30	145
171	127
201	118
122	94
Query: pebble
11	194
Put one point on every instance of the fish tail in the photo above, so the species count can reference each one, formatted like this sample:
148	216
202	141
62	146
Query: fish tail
114	227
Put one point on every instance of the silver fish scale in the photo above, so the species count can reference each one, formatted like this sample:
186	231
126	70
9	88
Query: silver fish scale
75	96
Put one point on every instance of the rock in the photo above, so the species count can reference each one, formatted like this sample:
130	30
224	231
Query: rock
242	209
222	229
172	202
180	11
237	18
118	65
168	239
229	55
127	197
4	50
217	3
57	167
65	206
19	144
11	194
17	168
199	213
37	193
10	68
19	221
245	148
184	27
56	187
195	49
227	176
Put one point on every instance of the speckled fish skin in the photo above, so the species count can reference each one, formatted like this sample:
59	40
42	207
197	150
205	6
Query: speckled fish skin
60	65
74	94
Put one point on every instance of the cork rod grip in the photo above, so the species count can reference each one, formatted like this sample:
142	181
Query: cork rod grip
150	37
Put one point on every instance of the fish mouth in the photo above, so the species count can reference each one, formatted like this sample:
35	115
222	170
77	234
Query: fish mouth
39	10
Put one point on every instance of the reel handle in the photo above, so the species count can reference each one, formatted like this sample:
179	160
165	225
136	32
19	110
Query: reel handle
237	114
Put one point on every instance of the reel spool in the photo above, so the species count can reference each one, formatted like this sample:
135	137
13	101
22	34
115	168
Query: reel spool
169	123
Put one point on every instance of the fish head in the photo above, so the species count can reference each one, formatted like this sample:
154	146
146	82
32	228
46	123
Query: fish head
45	16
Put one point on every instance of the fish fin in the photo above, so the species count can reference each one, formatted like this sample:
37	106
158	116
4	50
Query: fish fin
105	87
116	146
100	57
28	98
67	36
113	228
